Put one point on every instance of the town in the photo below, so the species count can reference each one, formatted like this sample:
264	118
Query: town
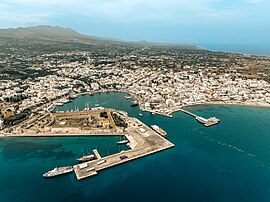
162	78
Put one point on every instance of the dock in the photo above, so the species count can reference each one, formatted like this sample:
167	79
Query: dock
206	122
141	144
97	155
189	113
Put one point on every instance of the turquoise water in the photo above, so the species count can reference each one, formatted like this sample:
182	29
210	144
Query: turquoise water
252	49
226	162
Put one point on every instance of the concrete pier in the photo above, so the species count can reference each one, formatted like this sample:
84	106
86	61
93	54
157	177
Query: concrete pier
95	151
189	113
141	144
204	121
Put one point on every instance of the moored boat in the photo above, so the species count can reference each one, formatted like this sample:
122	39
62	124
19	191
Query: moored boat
134	103
86	158
123	142
58	171
159	130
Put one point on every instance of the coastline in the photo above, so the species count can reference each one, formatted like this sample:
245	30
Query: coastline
154	112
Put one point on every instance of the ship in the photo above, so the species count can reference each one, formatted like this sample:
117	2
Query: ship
58	171
86	158
201	119
134	103
214	119
159	130
208	122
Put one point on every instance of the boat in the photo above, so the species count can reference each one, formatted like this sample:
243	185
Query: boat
128	97
134	103
59	104
97	105
159	130
64	100
214	119
58	171
201	119
86	158
73	96
123	142
140	114
205	121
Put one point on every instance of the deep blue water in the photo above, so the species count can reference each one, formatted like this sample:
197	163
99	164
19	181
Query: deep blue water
252	49
226	162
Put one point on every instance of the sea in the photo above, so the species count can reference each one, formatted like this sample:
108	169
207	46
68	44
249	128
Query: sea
249	49
225	163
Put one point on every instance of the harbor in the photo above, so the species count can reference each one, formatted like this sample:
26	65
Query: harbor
196	149
141	139
141	143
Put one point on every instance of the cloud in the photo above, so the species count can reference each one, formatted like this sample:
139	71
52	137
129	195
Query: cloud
255	1
120	11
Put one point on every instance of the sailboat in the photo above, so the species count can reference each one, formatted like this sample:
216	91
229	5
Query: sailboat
87	157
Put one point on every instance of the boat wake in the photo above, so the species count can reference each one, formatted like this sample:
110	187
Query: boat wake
236	149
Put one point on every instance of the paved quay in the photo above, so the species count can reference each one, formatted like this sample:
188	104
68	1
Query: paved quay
142	141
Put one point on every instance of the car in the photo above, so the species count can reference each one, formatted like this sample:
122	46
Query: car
123	157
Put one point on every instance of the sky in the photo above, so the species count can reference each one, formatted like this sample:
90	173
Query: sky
173	21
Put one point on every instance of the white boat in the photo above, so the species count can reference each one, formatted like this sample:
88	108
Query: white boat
123	142
201	119
140	114
58	104
159	130
58	171
86	158
65	100
213	119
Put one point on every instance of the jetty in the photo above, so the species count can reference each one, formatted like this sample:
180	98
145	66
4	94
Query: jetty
96	153
206	122
143	141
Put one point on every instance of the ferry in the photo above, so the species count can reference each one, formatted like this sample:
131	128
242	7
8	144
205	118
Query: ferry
210	120
201	119
58	171
159	130
214	119
86	158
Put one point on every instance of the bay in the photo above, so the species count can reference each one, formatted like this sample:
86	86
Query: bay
226	162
